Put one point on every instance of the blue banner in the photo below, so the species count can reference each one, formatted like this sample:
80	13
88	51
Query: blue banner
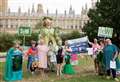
79	45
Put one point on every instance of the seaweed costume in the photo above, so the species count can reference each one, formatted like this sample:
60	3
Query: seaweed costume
13	65
68	69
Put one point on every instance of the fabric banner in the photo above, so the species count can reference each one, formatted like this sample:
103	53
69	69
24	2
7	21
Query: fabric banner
79	45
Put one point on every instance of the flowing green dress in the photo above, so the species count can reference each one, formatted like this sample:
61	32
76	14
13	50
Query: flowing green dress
13	65
101	63
68	69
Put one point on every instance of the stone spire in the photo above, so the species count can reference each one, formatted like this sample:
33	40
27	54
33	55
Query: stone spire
71	11
86	6
65	12
82	12
40	9
33	9
9	10
19	10
93	3
47	12
56	12
28	10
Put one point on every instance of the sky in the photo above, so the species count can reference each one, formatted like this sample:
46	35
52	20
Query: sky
51	5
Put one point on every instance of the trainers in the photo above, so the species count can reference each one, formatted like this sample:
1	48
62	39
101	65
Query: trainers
32	73
116	79
108	77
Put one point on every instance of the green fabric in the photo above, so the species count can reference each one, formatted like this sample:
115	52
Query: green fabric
109	51
117	64
68	69
10	74
8	65
101	63
49	35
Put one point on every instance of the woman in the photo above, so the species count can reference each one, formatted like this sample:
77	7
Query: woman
59	58
13	65
100	60
32	52
95	47
42	51
110	54
68	69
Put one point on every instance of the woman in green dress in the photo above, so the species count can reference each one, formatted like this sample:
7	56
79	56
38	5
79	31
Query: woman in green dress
68	69
101	66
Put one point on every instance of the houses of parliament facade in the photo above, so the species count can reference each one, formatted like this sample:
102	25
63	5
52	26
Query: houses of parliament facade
11	21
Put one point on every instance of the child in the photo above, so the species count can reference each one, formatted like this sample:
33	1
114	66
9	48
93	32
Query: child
42	51
68	69
52	56
32	51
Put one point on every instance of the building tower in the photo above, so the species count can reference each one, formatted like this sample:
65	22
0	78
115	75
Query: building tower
93	3
40	9
3	5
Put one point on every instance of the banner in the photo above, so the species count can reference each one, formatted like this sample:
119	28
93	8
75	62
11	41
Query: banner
105	32
79	45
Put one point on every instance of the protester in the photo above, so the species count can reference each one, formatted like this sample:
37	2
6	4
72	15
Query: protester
68	69
52	56
110	54
32	53
42	51
13	65
59	58
95	47
101	66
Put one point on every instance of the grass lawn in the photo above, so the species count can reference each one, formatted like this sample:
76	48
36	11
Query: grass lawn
85	73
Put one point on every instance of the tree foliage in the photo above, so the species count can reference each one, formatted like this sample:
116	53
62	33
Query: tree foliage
106	14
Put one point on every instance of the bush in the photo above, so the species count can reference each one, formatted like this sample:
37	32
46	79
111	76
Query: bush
6	41
34	36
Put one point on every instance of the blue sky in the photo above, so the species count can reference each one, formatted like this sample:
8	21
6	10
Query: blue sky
52	5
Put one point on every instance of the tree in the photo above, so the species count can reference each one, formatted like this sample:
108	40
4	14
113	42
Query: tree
106	13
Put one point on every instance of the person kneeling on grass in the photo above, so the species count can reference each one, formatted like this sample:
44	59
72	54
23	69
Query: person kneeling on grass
13	65
68	69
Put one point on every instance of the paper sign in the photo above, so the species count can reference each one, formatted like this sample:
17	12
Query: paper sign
112	64
90	51
105	32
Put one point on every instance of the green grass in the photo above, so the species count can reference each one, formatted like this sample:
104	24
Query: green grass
85	73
